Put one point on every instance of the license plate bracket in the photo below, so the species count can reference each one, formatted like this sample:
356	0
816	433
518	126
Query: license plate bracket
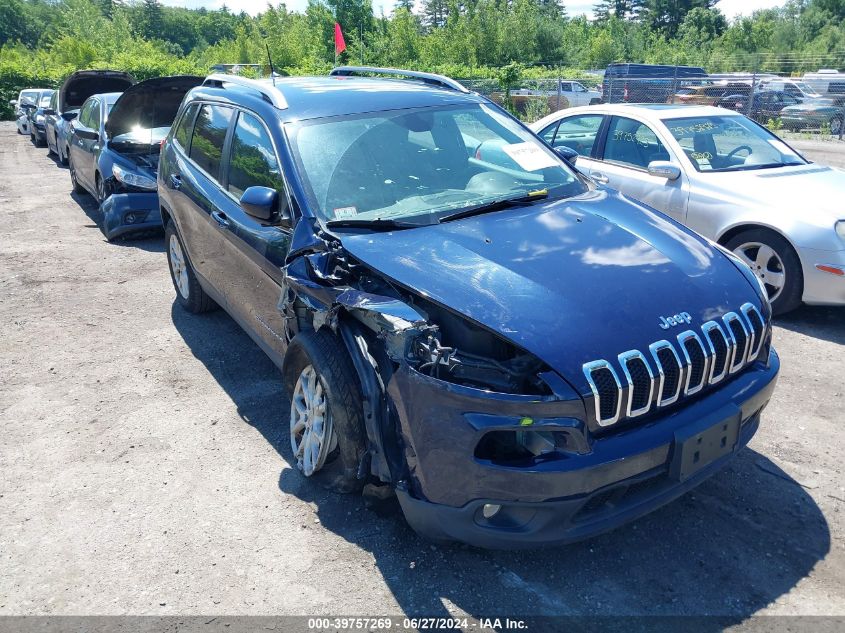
700	444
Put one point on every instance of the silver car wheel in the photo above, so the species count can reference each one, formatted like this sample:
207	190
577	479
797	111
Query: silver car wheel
311	433
766	264
179	267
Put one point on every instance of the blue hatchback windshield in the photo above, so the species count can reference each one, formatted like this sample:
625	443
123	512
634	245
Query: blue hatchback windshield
423	164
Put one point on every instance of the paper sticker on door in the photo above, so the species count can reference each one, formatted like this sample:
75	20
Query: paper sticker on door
529	156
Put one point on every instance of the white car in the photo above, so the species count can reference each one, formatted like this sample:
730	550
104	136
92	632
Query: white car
574	93
726	177
27	98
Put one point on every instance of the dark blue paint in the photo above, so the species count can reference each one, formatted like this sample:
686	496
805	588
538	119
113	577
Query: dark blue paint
569	281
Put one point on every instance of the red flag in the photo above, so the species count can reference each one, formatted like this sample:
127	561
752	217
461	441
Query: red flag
339	42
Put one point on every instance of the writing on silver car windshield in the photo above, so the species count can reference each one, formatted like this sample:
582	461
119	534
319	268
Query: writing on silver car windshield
730	143
414	167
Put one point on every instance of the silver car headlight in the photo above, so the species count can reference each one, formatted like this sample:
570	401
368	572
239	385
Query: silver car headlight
840	229
133	180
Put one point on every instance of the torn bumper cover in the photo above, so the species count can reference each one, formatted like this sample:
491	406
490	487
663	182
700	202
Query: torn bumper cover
587	485
130	212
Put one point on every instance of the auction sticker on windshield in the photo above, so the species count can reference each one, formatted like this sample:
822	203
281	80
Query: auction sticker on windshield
529	156
342	213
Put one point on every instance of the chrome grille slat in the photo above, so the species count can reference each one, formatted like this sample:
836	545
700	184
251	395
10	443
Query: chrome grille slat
683	339
589	370
724	347
742	354
655	349
712	329
757	328
625	360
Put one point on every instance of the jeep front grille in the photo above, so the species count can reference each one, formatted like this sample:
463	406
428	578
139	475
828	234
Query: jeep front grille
674	369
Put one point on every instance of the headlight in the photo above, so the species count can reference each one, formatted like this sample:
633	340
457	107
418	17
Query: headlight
39	118
133	180
840	229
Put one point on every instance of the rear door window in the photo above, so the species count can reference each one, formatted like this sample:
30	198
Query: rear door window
182	135
253	162
208	138
86	113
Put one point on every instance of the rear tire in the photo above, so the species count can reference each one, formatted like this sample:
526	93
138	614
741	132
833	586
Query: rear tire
77	187
835	126
775	263
189	293
318	363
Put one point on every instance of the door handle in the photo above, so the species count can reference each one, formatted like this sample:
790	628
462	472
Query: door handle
175	181
599	177
221	219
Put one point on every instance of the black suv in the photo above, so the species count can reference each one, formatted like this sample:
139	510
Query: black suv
524	356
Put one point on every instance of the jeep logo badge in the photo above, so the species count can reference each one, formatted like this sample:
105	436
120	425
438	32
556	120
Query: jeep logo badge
672	321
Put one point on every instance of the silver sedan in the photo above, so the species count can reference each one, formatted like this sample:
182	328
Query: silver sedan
725	177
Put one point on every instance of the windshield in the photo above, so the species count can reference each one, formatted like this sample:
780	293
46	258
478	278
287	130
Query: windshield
423	164
806	89
730	143
28	96
45	99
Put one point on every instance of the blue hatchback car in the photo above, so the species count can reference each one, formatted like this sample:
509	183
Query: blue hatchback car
524	356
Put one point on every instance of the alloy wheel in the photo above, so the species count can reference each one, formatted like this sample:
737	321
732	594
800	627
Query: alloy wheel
178	266
766	264
311	434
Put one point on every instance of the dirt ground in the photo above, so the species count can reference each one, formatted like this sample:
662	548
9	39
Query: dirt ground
144	466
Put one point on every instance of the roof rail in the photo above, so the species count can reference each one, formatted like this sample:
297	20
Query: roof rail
269	92
429	78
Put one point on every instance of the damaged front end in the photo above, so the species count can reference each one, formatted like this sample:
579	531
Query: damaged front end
483	441
420	363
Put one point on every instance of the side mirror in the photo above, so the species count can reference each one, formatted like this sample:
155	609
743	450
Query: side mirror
69	116
13	102
567	153
263	203
49	111
664	169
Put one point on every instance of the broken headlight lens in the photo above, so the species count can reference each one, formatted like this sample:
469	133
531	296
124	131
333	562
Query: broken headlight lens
130	179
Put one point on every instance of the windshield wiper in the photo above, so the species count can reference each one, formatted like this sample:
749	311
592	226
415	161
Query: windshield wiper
498	205
373	223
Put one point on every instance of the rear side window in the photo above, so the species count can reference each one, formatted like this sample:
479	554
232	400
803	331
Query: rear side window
54	100
182	135
208	138
253	162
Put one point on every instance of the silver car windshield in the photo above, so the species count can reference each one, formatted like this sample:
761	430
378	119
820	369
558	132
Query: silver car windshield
424	163
730	143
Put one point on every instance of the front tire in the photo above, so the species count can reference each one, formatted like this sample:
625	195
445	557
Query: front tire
326	422
189	293
775	263
103	189
63	157
835	126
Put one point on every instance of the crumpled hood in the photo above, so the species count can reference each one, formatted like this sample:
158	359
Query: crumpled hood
149	104
570	281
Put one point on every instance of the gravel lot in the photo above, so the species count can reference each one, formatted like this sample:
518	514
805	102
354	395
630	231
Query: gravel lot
145	467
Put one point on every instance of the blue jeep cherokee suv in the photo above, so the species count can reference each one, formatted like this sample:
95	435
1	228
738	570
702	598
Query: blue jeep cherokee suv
524	356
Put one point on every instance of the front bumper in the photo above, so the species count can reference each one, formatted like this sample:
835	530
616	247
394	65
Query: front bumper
125	213
822	288
622	476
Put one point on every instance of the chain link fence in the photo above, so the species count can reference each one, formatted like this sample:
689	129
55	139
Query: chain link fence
813	103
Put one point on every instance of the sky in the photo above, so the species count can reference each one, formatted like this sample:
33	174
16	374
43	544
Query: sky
731	8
